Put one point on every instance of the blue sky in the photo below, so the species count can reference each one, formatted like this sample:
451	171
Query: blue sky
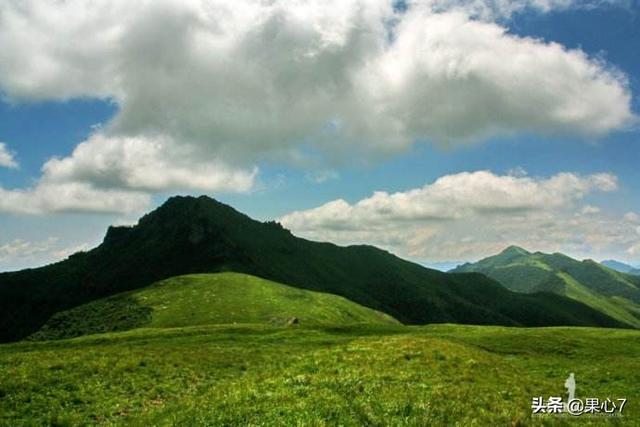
479	162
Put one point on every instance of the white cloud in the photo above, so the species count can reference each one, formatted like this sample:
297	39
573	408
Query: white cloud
19	248
116	175
207	89
502	9
456	196
71	197
21	253
632	217
634	250
7	158
146	165
445	71
244	81
468	215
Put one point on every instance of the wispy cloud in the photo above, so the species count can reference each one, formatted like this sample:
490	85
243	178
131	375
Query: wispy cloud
19	248
492	10
7	158
19	253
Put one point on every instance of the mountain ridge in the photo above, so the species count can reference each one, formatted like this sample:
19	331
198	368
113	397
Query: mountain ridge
613	292
621	267
190	235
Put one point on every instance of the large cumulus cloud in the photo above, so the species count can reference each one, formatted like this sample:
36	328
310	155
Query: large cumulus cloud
229	85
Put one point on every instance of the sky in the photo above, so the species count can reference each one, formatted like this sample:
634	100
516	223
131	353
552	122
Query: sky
440	130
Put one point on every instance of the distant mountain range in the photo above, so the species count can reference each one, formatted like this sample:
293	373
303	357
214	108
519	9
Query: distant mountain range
189	235
621	267
598	286
443	266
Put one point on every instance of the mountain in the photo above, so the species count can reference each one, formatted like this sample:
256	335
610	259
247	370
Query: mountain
189	235
443	266
598	286
208	299
621	267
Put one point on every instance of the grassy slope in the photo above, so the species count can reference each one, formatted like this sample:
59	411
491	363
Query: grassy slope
200	299
190	235
259	375
611	292
609	305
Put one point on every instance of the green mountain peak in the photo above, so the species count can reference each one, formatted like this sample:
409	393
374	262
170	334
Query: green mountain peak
515	250
587	281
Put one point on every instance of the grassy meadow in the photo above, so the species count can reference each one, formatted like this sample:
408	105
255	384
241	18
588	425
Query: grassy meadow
312	375
208	299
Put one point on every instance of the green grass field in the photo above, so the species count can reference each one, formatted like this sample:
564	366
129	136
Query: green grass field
208	299
352	375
